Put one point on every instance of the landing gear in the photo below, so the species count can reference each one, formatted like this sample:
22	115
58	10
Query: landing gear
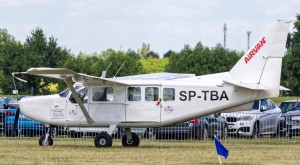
103	140
46	140
130	139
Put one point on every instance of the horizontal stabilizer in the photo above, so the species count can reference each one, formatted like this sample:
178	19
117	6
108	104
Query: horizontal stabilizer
253	86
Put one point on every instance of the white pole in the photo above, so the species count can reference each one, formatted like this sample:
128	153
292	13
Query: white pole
220	159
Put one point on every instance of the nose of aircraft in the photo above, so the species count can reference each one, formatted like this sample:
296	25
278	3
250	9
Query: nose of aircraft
34	107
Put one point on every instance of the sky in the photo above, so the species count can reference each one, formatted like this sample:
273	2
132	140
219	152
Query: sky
91	26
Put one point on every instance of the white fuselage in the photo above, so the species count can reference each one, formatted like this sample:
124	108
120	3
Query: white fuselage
143	103
159	100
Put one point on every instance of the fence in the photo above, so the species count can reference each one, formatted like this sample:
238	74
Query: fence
226	126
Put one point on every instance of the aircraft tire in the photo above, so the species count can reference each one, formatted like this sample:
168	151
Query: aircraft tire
103	140
44	142
135	141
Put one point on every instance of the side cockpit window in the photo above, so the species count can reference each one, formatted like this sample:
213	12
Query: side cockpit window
102	94
134	94
64	93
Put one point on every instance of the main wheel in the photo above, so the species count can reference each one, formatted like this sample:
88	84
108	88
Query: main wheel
103	140
276	133
46	142
134	142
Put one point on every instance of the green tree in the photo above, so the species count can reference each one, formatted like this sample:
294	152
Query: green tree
144	50
43	53
168	54
11	60
152	54
154	65
202	60
118	58
291	62
37	51
13	55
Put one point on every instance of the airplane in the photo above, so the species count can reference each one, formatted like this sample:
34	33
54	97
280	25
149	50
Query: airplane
159	99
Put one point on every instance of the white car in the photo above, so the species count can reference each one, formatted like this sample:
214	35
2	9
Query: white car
262	119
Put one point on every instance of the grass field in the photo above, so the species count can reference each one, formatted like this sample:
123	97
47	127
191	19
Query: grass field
27	151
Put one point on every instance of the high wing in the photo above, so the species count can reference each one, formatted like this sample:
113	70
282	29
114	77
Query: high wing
63	74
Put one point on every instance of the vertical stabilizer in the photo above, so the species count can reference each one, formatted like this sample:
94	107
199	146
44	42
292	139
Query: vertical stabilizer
260	67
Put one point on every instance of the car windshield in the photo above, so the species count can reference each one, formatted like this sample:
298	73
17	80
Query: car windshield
288	106
297	108
255	105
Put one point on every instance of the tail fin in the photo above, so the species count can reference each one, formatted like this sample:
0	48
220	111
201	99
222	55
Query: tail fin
260	67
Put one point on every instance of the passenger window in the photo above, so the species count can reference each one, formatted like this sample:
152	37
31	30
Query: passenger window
134	94
169	94
102	94
151	94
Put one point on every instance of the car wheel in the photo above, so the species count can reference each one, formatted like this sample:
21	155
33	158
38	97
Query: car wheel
276	133
289	134
10	133
225	133
76	134
204	133
255	132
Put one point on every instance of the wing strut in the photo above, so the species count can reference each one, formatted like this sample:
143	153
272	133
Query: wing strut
68	81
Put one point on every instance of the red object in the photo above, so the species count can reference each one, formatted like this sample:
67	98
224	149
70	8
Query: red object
9	114
158	102
194	121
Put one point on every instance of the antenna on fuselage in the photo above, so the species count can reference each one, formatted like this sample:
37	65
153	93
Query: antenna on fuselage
104	72
119	69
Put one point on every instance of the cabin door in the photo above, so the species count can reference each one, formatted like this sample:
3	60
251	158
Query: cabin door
143	103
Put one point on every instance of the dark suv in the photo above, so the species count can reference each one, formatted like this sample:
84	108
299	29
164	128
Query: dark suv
199	128
290	118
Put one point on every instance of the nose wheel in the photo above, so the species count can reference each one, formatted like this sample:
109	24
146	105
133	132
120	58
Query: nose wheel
46	140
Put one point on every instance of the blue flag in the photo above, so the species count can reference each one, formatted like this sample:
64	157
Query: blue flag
220	148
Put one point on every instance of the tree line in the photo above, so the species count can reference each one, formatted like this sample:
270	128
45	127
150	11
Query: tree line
40	51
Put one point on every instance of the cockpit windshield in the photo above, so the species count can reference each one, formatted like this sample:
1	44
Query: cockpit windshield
82	93
65	92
